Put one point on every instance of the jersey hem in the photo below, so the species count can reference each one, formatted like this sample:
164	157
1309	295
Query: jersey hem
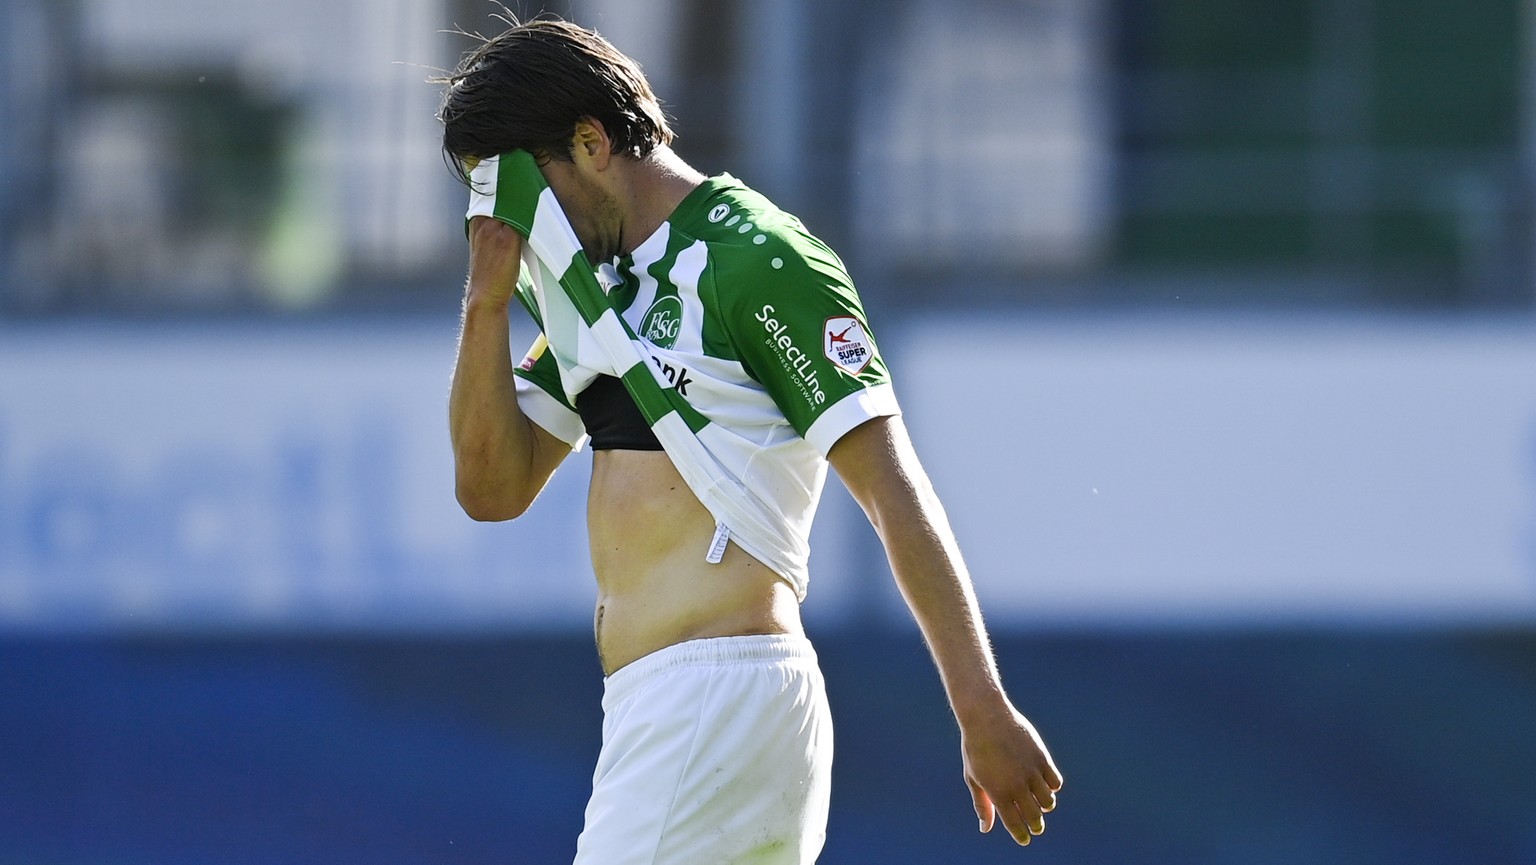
796	576
554	418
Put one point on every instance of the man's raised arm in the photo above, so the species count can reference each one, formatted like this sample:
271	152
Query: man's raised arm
1009	771
501	458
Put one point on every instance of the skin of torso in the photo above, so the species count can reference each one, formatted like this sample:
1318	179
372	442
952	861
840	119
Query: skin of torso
649	536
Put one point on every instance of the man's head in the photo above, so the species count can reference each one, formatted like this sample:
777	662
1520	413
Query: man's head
527	89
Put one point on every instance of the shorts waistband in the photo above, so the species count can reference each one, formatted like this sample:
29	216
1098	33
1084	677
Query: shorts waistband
711	651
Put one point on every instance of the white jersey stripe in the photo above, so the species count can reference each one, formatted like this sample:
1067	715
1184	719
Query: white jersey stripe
644	256
685	275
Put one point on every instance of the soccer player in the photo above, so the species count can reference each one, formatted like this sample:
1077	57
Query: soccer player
716	737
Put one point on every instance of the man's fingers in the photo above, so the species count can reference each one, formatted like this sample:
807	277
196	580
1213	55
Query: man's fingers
481	226
482	223
1044	795
1052	775
984	809
1033	816
492	233
1022	818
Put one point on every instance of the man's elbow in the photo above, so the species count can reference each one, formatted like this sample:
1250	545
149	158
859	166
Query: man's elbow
494	507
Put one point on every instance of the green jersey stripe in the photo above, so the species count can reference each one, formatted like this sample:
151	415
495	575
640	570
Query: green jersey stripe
517	195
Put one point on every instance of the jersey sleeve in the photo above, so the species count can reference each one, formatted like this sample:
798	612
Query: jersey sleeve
800	331
542	399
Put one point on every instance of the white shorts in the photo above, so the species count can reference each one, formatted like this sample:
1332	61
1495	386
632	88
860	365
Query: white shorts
714	751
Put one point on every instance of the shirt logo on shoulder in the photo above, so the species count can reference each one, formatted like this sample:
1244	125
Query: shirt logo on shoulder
846	344
661	322
718	212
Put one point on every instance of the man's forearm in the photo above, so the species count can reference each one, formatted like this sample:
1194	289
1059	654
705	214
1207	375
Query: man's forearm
926	562
492	440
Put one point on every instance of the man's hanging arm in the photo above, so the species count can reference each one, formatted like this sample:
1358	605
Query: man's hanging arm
1007	767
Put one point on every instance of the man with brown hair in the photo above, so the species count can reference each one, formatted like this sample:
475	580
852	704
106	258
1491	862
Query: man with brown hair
716	736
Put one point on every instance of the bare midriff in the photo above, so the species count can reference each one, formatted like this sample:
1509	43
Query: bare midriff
650	537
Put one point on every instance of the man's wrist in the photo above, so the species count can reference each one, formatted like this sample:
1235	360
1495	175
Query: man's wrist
477	299
980	704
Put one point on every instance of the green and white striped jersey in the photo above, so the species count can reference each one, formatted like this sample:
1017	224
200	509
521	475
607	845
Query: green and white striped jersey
755	322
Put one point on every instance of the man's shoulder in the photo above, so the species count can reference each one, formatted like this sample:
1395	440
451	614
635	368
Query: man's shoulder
721	205
751	242
735	219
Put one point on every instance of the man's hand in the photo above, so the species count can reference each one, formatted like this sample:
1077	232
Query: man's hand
1010	773
495	256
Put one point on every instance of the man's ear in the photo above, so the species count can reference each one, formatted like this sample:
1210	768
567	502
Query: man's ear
591	143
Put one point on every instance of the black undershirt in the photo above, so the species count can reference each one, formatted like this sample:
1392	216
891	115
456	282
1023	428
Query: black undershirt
612	419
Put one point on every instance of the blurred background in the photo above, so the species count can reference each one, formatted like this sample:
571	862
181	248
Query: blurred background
1213	322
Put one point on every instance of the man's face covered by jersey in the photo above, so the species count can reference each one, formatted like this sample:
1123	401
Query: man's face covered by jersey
584	194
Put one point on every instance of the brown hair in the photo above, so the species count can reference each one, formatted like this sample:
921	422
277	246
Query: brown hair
526	89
